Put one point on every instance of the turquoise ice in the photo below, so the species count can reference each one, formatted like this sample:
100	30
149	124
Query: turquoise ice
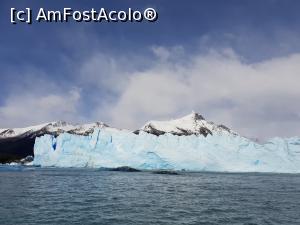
108	147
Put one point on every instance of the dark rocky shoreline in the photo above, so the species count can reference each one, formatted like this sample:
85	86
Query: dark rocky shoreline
16	148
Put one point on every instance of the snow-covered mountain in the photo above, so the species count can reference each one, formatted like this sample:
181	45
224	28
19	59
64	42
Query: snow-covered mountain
17	143
54	128
192	124
189	143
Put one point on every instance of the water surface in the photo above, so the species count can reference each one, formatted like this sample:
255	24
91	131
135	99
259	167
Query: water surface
86	196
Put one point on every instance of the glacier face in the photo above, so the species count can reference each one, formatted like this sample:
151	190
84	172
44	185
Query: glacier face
108	147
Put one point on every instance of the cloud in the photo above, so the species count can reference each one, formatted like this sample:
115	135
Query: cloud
258	99
28	109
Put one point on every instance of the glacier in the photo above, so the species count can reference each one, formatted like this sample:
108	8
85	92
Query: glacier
220	152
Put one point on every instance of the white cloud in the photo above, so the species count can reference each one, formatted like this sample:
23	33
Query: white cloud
256	99
29	108
260	99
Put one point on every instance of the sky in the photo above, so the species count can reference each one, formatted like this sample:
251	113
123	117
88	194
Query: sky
235	62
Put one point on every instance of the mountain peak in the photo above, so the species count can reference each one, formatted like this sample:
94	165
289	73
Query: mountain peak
193	116
191	124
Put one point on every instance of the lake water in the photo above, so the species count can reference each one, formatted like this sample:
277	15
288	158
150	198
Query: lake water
86	196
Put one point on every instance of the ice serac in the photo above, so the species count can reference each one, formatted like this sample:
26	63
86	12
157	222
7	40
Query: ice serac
179	144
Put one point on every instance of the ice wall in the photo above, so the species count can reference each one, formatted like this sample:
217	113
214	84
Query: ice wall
113	148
